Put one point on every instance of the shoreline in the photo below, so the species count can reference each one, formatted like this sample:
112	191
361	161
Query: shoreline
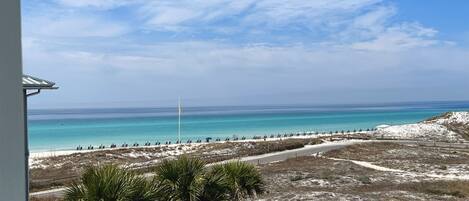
53	153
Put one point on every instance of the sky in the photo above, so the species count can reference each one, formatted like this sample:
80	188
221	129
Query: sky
142	53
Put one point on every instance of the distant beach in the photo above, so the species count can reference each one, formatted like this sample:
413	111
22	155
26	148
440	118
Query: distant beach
65	129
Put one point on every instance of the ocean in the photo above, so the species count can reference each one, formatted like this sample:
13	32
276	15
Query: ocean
65	129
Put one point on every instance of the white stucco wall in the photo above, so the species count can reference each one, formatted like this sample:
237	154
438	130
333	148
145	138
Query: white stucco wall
12	156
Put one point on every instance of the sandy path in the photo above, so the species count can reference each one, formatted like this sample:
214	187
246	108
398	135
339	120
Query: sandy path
385	169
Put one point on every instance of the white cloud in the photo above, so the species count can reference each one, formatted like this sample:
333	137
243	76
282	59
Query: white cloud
416	29
370	23
343	47
168	15
364	24
400	37
72	25
171	17
249	12
198	57
208	70
101	4
282	11
351	25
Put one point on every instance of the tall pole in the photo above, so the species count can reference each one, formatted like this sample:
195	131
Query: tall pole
179	120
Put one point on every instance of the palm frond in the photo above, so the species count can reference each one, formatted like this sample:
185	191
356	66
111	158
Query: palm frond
75	192
183	177
102	183
244	179
215	187
143	190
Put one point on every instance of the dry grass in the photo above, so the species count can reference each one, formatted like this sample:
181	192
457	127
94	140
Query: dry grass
72	165
370	152
302	174
462	129
316	178
211	153
417	159
445	115
457	189
387	151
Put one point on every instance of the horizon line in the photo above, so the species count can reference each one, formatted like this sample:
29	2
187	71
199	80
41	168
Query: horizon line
367	104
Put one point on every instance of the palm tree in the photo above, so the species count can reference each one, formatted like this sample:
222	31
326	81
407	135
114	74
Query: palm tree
187	179
110	183
215	187
143	190
244	179
182	179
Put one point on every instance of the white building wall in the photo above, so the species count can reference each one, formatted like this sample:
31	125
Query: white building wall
12	152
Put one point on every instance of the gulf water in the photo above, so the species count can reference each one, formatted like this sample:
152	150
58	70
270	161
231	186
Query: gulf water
62	129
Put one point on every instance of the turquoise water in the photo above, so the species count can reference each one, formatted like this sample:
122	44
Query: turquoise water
68	128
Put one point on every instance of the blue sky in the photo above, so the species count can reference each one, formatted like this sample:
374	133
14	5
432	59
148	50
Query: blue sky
137	53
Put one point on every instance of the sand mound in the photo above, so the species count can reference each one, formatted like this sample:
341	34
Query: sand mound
452	126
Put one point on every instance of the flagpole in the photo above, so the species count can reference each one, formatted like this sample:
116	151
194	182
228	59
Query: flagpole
179	120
